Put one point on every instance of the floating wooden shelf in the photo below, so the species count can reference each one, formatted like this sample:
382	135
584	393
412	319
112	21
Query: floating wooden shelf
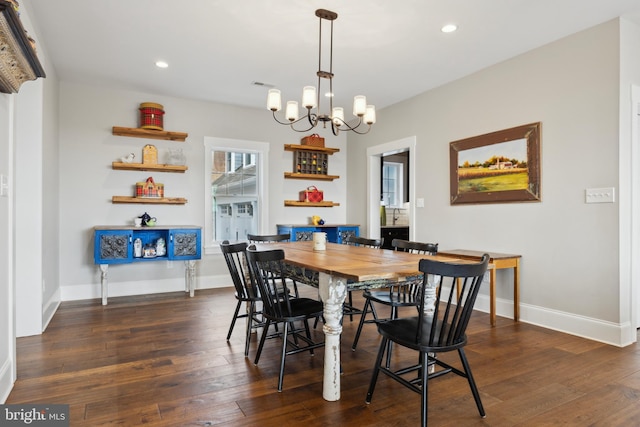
150	133
295	175
323	204
298	147
148	167
149	200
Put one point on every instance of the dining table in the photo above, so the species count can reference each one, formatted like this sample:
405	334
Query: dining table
341	268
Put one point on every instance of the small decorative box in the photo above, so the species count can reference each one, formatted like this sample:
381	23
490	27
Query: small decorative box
311	194
314	140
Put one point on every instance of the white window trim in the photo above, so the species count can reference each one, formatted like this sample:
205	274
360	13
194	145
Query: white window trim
237	145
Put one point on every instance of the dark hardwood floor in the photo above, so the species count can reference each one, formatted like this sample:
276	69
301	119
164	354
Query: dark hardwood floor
163	360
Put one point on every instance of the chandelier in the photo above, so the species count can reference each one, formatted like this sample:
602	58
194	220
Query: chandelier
311	98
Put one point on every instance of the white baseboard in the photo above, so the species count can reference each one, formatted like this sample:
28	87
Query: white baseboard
127	288
50	308
6	380
582	326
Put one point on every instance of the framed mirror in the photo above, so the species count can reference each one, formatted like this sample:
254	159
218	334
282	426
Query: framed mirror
498	167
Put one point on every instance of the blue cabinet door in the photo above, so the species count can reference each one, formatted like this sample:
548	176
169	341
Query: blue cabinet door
298	233
113	246
184	244
343	232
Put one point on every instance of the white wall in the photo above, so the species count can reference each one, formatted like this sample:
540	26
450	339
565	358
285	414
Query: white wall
7	333
29	209
37	290
629	154
87	182
23	212
569	279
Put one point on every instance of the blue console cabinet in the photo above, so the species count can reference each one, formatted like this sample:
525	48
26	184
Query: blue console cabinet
336	233
115	245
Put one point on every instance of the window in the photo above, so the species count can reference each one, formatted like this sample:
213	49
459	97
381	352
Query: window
392	174
236	189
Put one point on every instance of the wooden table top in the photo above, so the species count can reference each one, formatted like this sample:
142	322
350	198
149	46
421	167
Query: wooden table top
469	254
355	263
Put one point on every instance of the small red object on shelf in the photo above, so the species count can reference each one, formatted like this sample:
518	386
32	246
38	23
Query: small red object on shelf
314	140
311	194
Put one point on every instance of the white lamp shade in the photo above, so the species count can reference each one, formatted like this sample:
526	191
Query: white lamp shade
359	105
337	116
370	115
274	101
292	111
309	97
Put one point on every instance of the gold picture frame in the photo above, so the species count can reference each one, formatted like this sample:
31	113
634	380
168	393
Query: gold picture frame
498	167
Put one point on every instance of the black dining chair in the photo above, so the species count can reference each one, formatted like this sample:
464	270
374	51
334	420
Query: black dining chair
348	307
235	256
439	327
279	309
405	294
274	238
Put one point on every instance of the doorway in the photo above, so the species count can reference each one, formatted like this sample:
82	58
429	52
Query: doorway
374	177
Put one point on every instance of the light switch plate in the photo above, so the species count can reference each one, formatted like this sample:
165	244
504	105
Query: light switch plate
420	203
600	195
4	185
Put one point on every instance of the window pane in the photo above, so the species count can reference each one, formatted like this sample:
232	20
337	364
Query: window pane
234	193
392	183
389	176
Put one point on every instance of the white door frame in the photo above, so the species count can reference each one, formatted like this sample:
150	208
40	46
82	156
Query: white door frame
634	256
374	159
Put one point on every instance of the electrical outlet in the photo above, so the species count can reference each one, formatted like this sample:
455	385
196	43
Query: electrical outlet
169	264
600	195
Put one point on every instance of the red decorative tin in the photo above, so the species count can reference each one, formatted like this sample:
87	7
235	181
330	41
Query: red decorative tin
151	116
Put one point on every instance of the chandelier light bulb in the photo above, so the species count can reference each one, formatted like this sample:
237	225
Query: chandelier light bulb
309	97
370	115
359	105
292	111
274	100
337	116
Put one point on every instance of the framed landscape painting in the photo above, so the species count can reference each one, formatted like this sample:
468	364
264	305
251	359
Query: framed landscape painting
497	167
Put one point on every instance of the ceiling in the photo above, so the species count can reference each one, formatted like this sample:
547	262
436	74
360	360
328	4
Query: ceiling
388	51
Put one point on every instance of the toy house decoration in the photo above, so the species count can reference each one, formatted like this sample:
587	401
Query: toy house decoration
149	188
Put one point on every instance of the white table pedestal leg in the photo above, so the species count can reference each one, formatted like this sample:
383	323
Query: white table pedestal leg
189	276
333	291
103	282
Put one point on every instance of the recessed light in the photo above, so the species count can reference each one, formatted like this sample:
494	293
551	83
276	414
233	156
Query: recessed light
449	28
161	64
